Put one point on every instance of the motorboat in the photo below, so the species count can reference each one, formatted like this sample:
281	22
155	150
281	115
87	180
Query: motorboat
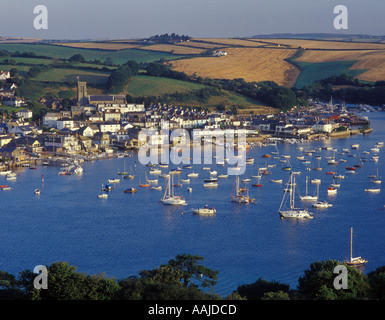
331	190
192	175
211	185
205	210
321	205
373	190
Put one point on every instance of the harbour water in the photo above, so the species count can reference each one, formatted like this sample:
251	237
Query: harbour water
126	233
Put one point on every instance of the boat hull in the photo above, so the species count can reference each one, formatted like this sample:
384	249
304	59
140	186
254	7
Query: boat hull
293	213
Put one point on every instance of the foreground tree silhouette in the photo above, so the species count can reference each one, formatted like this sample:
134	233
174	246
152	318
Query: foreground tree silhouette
181	279
317	283
64	283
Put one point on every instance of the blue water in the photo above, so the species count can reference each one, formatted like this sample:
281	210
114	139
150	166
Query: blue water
126	233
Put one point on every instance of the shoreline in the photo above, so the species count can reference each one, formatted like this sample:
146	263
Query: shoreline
60	159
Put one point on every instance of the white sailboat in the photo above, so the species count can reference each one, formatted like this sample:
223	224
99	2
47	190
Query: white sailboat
237	196
292	211
308	197
357	261
169	197
377	179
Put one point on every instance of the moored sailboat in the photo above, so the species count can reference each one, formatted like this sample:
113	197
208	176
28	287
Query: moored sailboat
169	198
292	211
237	196
355	262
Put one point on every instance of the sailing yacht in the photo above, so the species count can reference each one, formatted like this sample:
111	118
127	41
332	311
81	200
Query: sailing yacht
239	197
319	167
292	211
124	172
308	197
169	197
357	261
377	179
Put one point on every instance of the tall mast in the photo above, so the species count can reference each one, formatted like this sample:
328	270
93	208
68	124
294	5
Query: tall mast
351	244
292	193
306	184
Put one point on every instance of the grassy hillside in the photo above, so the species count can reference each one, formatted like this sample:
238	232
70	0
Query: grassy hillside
142	86
153	86
317	71
63	52
66	75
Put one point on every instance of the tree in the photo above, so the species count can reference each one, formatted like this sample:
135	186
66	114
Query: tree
317	283
134	67
178	280
258	289
192	272
13	72
64	283
77	58
118	79
377	283
9	288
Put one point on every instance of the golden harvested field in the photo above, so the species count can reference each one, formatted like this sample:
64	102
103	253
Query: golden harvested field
251	64
177	49
329	45
366	59
231	42
19	40
99	45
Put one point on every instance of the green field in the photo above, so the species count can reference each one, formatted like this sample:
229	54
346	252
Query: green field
20	69
118	57
154	86
66	75
28	60
317	71
141	86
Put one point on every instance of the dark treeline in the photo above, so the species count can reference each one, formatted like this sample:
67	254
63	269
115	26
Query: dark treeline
120	77
345	87
185	278
167	38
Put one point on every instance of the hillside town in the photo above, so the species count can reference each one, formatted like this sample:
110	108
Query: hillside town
100	126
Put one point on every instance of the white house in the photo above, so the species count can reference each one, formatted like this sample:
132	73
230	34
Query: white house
4	75
24	113
65	123
88	131
152	137
322	127
219	53
122	135
109	127
127	108
112	115
96	118
50	119
25	130
284	128
13	101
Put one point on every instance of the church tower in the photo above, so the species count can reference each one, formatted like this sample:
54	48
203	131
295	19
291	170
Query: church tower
82	93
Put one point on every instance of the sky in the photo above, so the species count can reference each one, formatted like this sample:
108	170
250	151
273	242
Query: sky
129	19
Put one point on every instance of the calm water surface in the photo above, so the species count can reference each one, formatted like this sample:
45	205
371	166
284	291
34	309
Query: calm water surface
127	233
